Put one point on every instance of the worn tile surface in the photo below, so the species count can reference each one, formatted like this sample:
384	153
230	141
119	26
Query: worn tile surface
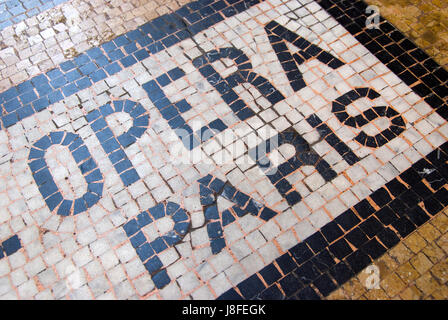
423	21
414	270
225	149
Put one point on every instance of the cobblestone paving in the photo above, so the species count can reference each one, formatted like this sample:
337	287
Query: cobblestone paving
424	21
415	269
219	149
15	11
39	43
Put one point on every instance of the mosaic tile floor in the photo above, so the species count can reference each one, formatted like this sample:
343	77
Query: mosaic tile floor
217	149
425	22
415	269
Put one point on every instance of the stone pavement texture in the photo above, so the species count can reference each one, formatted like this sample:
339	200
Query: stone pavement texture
415	269
425	22
15	11
231	149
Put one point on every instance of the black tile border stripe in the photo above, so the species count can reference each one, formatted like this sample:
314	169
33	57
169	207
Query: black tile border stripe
411	64
342	248
330	257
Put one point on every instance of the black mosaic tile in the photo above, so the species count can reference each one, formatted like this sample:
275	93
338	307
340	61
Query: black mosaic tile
270	274
381	197
347	220
323	261
417	215
358	260
341	273
373	248
404	226
272	293
357	237
340	249
422	190
371	226
398	207
388	237
386	215
290	284
308	293
410	198
230	294
331	231
307	273
286	263
432	205
251	287
316	242
364	209
301	253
